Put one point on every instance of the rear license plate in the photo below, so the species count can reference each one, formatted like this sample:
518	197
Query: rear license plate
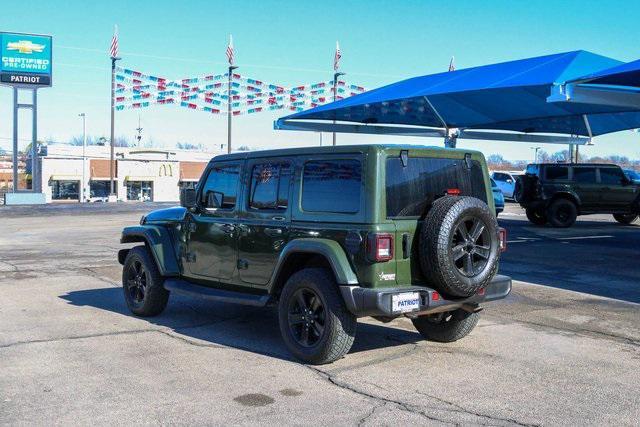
409	301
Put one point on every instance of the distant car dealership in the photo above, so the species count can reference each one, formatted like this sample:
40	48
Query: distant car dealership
140	174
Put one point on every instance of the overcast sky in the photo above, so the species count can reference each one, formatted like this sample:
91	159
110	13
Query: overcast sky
291	43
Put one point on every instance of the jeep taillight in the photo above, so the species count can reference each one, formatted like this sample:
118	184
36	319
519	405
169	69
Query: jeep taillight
380	247
502	235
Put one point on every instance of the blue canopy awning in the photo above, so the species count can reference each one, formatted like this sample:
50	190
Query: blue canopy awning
512	96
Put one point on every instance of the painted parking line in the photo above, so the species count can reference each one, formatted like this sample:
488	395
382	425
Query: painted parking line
583	237
536	239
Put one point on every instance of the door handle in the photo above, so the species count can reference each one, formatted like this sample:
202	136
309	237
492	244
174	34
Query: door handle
273	231
278	218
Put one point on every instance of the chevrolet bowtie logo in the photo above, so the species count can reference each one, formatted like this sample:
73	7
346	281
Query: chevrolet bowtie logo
25	46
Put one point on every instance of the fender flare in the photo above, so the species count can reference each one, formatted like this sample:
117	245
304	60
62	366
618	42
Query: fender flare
570	195
329	249
158	239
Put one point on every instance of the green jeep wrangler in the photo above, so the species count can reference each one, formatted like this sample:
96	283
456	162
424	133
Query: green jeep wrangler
328	234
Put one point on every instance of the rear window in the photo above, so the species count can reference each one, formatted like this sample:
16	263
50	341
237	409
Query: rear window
557	172
412	189
332	186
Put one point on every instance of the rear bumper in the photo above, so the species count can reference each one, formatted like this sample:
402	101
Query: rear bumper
377	302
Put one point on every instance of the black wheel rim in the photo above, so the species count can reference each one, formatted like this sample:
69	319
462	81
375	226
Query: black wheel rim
563	214
306	317
136	282
471	246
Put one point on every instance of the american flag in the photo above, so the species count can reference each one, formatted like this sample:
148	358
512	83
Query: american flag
230	51
336	58
452	65
114	43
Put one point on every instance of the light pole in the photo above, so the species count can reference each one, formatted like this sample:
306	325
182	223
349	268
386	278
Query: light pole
335	93
83	197
535	155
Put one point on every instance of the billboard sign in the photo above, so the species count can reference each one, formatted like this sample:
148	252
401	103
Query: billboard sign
25	59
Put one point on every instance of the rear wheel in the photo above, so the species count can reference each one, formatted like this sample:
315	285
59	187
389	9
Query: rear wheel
142	284
314	322
562	213
536	216
625	218
446	327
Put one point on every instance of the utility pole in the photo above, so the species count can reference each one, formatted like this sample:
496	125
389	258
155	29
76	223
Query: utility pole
335	93
83	197
535	155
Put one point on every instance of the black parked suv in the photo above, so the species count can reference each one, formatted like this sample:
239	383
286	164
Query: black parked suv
557	193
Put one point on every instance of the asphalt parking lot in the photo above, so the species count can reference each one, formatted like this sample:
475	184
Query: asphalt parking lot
70	353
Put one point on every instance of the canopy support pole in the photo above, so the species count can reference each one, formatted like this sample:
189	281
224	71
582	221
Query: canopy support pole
450	139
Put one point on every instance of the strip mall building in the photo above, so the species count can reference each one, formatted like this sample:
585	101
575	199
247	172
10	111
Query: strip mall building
140	174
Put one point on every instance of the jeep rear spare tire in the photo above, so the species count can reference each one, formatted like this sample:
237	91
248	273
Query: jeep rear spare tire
459	246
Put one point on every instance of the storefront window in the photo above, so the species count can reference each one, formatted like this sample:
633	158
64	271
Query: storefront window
140	191
101	189
187	184
65	190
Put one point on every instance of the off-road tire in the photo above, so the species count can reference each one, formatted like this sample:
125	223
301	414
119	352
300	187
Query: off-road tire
339	329
626	219
436	245
562	213
536	216
446	327
155	296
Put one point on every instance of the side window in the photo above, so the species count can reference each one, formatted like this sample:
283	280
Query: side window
611	176
557	172
221	187
331	186
584	175
270	186
501	177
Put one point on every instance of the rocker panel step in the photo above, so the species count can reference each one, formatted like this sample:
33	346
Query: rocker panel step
186	288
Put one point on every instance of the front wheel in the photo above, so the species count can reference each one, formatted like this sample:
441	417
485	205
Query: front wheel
314	322
446	327
142	284
625	218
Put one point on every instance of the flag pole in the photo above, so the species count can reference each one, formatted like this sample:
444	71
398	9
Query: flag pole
114	58
336	74
229	112
231	58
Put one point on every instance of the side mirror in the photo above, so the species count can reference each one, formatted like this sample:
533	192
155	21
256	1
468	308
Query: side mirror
214	199
625	181
188	198
509	181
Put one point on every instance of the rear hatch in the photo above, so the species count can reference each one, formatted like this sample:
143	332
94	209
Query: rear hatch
411	187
